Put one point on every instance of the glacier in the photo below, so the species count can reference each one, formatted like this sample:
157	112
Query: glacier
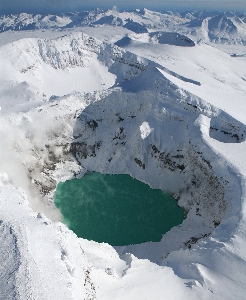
121	93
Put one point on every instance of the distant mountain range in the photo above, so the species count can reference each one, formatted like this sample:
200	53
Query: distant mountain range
226	28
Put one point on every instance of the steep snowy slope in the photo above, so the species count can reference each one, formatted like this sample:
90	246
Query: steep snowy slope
165	115
221	77
42	68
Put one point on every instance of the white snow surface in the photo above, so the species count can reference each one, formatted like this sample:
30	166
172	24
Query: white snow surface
171	116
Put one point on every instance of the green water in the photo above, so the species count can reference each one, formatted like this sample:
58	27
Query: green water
116	209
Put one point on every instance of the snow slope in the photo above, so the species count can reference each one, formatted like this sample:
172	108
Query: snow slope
76	99
221	77
40	259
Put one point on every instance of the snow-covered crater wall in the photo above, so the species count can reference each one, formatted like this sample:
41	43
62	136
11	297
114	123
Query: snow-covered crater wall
144	126
74	50
156	136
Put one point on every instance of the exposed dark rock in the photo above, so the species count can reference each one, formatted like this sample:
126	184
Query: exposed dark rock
166	160
138	162
83	150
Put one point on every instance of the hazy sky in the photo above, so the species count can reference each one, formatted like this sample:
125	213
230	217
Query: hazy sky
57	6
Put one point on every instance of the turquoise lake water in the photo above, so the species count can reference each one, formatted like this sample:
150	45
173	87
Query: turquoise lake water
116	209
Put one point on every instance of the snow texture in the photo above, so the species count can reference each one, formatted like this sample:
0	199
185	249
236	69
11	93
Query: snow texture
159	96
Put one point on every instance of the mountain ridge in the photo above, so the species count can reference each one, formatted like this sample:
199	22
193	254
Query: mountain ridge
228	28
